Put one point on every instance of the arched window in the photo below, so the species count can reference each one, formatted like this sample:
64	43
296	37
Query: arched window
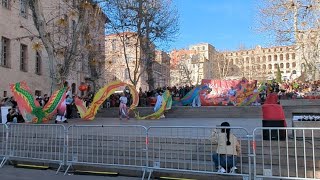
281	65
281	57
237	60
269	58
264	59
287	56
269	66
293	56
275	66
259	67
287	65
275	57
294	64
264	66
73	88
247	60
258	59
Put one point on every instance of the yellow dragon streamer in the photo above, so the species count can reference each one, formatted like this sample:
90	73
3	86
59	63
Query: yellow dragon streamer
101	96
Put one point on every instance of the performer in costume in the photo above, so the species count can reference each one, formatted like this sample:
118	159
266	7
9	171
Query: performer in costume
61	113
123	110
158	104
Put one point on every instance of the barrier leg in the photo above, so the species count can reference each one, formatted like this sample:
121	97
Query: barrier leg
59	168
150	173
67	169
144	173
3	162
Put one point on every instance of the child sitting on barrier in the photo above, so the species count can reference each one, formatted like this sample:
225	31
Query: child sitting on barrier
227	151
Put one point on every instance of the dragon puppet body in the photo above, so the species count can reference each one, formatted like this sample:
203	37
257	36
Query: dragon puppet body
106	91
30	109
101	96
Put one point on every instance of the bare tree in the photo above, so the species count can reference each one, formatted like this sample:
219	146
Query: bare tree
295	22
151	21
69	45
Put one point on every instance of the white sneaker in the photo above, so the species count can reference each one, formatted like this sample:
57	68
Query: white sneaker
233	170
221	170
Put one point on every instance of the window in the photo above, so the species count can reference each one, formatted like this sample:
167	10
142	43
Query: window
126	73
288	65
252	60
73	26
275	57
4	58
287	56
293	56
281	57
6	4
23	8
23	57
247	60
264	59
293	64
203	48
113	44
38	63
281	65
275	66
73	88
264	66
269	58
269	66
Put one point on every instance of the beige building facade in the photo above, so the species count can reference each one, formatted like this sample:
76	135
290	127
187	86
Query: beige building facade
23	57
122	66
262	63
203	61
161	69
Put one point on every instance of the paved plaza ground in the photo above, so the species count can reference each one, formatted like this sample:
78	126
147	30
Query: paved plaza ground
249	123
11	173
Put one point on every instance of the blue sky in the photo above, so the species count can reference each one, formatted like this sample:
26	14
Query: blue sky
226	24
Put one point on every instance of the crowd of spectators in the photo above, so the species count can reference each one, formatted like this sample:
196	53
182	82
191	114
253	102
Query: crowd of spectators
292	90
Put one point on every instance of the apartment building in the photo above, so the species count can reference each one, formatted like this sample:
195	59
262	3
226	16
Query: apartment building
24	58
262	63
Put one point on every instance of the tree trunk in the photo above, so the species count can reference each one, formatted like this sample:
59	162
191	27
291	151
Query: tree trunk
40	24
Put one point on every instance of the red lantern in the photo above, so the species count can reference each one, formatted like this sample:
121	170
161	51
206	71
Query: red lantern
83	87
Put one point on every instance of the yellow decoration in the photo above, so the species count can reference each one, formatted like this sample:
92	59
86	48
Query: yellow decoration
93	62
86	5
73	13
37	46
62	22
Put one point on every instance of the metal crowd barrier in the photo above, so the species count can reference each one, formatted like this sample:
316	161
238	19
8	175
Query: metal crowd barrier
36	142
3	143
286	153
121	146
190	149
